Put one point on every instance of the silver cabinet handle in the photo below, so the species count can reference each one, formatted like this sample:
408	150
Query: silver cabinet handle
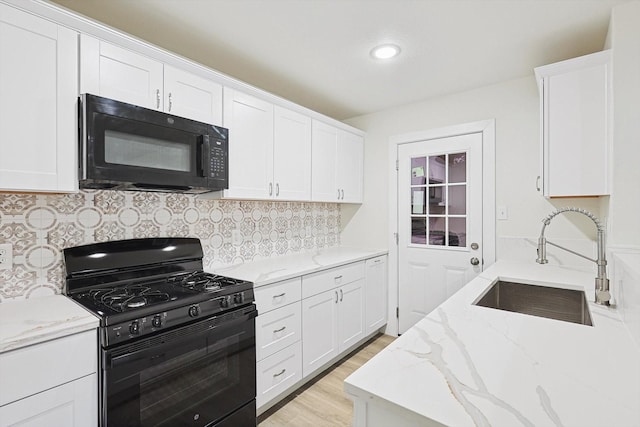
279	295
270	188
342	191
170	103
538	183
336	296
158	98
474	261
279	373
279	330
341	295
277	189
338	194
337	277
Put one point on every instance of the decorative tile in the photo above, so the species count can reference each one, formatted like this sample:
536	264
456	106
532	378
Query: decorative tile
66	203
109	202
40	226
110	230
16	204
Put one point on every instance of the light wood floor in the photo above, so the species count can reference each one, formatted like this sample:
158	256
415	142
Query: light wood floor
322	402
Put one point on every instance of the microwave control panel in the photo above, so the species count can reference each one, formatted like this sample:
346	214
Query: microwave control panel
218	159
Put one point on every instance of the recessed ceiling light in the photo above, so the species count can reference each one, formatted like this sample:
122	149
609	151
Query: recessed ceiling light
385	51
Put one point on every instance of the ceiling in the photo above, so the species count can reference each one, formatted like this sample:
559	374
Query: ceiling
316	52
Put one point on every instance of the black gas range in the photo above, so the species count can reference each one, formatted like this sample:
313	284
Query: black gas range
177	344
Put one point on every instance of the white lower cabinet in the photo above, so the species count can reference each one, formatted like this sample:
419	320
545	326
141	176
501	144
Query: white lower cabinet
333	320
278	333
74	404
278	372
306	323
375	294
51	384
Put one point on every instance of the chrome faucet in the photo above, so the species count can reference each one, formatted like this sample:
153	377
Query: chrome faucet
602	283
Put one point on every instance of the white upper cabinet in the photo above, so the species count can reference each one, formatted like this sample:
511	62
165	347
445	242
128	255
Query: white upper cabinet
250	124
292	155
337	165
269	149
192	96
323	169
575	98
349	166
117	73
38	113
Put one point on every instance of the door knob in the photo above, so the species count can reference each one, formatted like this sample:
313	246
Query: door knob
475	261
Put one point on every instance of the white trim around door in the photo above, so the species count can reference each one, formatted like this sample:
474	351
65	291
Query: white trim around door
487	128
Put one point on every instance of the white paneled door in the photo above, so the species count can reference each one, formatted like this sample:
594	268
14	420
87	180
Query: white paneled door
439	221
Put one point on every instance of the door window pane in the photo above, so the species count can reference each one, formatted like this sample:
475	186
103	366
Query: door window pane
457	167
418	170
457	200
419	230
439	193
458	232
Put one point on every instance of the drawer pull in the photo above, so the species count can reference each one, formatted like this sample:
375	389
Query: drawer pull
280	295
336	296
337	277
279	330
279	373
341	295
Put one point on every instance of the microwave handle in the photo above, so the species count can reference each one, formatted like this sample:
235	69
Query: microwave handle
204	150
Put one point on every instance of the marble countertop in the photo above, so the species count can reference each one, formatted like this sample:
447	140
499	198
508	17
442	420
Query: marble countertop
35	320
271	270
465	365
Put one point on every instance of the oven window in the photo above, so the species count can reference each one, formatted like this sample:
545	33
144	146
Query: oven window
136	150
191	382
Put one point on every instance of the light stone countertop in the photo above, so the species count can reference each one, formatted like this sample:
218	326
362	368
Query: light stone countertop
271	270
465	365
35	320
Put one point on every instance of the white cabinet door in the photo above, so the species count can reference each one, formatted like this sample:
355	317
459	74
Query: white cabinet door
350	314
575	98
323	157
38	113
191	96
250	124
375	294
113	72
319	330
74	404
291	155
349	166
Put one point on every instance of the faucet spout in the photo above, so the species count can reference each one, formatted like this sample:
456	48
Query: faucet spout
603	296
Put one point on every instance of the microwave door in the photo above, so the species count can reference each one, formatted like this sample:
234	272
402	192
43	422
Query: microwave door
144	155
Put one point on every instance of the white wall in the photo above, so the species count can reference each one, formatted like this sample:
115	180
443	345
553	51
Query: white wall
624	36
515	107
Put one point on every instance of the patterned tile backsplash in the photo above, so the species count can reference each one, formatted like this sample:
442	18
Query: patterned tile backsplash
40	226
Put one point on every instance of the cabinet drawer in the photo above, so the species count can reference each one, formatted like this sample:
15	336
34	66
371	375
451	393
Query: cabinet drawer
277	329
277	295
322	281
47	365
278	372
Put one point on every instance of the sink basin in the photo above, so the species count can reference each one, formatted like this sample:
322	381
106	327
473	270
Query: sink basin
543	301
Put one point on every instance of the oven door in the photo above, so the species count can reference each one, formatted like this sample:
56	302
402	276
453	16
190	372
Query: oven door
199	375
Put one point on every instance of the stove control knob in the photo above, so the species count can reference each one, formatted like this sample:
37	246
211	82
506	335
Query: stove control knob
238	298
134	327
156	322
224	302
194	311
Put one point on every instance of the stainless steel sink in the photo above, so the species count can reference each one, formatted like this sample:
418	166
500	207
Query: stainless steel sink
543	301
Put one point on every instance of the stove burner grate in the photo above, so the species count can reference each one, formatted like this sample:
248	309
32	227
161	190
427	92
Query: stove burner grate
128	297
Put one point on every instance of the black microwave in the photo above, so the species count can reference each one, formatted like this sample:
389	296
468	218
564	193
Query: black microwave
127	147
